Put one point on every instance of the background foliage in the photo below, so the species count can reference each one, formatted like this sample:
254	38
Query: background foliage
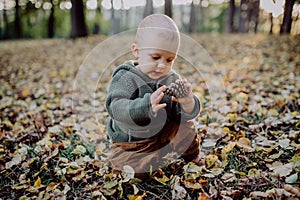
32	18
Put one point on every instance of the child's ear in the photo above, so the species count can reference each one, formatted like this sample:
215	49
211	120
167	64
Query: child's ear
135	50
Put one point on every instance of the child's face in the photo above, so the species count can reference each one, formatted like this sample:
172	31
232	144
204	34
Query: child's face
155	56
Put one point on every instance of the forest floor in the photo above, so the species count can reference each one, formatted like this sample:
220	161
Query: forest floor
249	88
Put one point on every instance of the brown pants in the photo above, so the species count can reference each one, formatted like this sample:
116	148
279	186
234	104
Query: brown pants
146	155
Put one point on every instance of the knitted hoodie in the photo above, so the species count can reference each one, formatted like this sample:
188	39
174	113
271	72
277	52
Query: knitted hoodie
128	104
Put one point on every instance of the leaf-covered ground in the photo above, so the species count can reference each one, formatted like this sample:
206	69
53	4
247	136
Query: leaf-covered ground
252	134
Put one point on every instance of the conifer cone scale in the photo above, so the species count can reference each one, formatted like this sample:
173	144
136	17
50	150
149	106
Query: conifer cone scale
177	89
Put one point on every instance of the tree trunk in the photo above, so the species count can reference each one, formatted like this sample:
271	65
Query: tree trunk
97	27
256	14
249	15
127	21
168	8
79	28
51	21
243	17
112	17
287	17
115	23
5	19
192	18
182	14
99	10
202	18
271	23
231	11
18	28
148	8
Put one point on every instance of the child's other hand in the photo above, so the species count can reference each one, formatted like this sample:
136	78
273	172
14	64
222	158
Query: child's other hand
155	99
189	98
187	102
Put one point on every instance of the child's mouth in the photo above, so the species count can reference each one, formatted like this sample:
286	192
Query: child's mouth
157	73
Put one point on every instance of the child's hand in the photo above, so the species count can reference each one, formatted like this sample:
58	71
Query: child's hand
155	99
187	102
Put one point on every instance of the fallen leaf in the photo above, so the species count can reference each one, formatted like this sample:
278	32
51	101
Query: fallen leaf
110	184
282	170
17	159
284	143
127	173
192	184
37	183
258	194
79	150
291	189
254	173
228	148
67	188
137	197
211	160
178	192
228	177
245	144
292	178
276	155
26	93
208	143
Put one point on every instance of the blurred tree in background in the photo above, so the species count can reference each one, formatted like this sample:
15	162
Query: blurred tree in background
79	28
148	8
287	18
51	21
169	8
76	18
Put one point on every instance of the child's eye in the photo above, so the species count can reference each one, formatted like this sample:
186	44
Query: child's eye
169	60
155	57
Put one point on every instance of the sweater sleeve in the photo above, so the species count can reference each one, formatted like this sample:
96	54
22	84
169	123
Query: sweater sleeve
122	107
196	110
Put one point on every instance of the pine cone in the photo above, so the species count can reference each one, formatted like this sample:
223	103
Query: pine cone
177	89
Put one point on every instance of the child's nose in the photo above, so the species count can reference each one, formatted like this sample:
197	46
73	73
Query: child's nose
161	64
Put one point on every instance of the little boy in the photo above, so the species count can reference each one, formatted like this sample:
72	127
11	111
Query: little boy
146	124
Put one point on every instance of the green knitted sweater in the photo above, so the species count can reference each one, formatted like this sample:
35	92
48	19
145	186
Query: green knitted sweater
128	104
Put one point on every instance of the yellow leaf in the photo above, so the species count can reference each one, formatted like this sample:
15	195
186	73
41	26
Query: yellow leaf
226	130
161	177
296	160
26	92
211	160
295	113
31	112
137	197
240	173
254	173
224	153
79	150
228	147
242	97
37	183
192	171
232	116
51	186
245	144
298	124
272	112
192	185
